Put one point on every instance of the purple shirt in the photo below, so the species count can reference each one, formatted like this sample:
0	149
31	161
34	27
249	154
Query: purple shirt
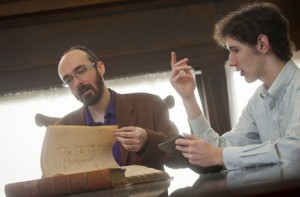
110	118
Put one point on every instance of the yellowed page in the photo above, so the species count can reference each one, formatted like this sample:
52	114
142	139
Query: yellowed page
141	174
70	149
137	170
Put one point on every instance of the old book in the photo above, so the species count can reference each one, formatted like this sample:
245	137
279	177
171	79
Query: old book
151	189
60	185
136	174
70	149
76	159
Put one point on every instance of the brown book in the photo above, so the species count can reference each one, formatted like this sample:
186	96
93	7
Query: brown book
77	159
108	178
137	174
60	185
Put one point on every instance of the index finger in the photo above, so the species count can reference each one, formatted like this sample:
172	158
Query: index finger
182	142
173	58
126	129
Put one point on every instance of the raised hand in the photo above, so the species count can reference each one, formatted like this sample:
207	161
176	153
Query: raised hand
181	77
184	83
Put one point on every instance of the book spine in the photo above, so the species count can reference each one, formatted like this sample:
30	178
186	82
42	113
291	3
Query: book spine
61	185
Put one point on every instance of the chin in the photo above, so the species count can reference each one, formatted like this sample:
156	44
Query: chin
249	80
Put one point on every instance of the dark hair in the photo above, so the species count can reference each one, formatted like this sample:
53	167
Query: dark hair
252	20
90	54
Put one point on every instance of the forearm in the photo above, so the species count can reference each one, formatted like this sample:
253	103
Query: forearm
192	108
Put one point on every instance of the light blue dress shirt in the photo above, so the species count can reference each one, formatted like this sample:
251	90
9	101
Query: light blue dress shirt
268	130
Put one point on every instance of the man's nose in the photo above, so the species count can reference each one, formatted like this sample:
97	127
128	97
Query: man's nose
77	81
231	60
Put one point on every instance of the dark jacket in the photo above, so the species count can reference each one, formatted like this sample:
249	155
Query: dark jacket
141	110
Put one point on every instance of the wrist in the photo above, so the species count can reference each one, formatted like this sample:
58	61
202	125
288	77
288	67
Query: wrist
192	108
145	145
219	161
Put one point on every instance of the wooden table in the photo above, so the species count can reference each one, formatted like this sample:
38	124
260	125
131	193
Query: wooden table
271	180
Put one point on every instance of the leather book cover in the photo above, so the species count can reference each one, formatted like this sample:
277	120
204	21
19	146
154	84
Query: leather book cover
60	185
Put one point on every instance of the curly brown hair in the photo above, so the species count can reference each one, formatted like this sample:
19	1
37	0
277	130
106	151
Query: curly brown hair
252	20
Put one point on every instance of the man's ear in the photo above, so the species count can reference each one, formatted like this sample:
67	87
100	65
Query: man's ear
101	68
262	45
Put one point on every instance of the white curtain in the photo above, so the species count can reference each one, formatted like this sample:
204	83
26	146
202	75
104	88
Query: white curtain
21	140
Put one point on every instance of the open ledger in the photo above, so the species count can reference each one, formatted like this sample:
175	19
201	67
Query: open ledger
76	159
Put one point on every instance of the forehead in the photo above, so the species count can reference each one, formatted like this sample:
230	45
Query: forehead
231	42
71	60
74	57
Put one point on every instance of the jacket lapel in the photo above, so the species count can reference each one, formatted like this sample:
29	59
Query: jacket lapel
125	117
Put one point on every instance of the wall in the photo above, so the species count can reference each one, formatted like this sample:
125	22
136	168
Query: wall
131	37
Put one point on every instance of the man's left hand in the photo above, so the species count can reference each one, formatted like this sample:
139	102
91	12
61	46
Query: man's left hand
132	138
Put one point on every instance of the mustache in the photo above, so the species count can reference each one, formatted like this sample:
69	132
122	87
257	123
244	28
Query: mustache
81	89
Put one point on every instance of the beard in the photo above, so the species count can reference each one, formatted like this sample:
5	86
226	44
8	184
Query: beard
95	93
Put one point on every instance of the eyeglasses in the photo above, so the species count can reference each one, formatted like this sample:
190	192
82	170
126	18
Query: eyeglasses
78	73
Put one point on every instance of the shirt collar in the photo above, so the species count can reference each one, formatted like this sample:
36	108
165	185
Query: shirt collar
278	87
111	110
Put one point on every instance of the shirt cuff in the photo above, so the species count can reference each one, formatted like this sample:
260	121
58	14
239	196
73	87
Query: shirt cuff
249	156
231	158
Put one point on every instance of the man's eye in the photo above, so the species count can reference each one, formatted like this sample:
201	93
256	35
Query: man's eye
68	80
235	50
81	70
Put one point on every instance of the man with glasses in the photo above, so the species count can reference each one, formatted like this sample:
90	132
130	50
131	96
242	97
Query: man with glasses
143	119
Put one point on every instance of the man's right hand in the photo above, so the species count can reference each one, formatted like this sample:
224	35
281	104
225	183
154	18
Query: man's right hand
181	77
